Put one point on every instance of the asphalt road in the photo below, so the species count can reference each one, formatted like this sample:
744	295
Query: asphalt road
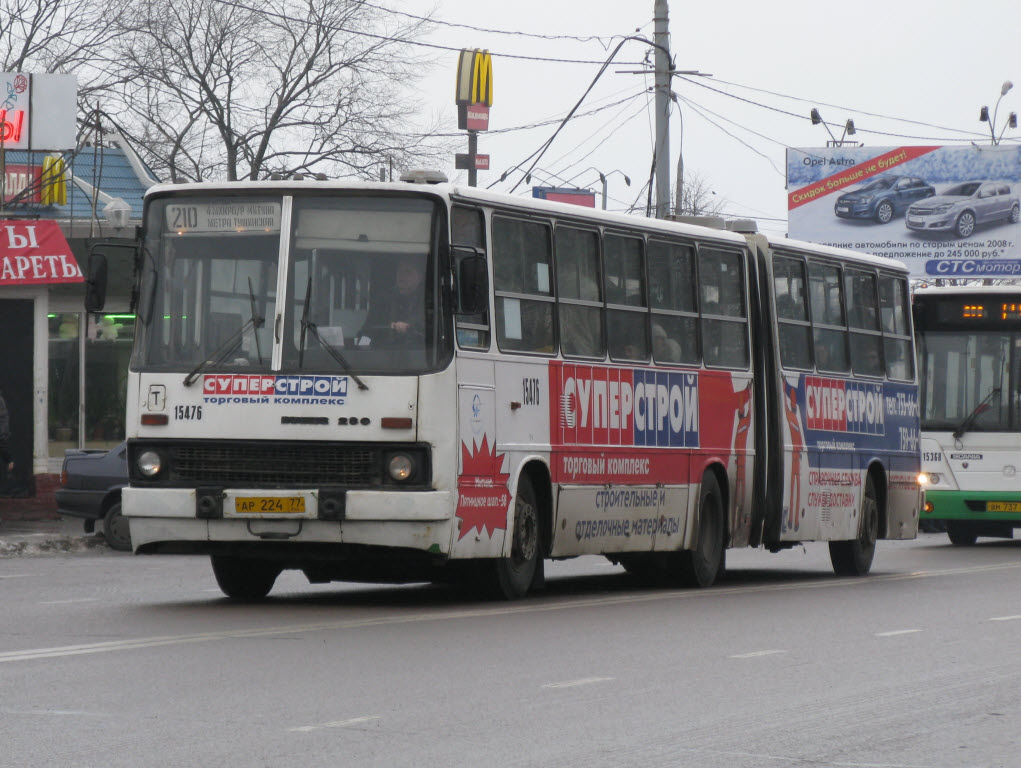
112	660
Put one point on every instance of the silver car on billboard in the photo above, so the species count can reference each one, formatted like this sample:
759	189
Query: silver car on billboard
962	207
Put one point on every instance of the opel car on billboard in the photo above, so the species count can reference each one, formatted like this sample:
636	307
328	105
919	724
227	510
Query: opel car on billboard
882	198
964	206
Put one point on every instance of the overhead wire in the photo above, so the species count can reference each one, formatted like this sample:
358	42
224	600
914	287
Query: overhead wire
604	40
407	41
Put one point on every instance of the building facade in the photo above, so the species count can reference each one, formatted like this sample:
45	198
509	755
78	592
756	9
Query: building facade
64	375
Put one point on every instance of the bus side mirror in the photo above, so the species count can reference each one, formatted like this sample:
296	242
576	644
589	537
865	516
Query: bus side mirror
472	285
95	282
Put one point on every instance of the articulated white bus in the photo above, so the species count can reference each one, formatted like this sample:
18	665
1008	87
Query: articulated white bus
969	356
397	382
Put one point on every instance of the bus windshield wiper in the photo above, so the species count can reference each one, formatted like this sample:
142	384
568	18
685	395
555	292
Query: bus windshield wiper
254	322
966	424
307	325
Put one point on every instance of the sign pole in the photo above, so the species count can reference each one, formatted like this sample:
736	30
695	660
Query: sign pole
473	149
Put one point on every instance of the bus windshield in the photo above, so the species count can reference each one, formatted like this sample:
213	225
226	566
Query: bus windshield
351	286
960	371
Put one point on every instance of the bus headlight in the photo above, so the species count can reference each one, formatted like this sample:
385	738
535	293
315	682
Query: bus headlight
149	463
928	478
400	467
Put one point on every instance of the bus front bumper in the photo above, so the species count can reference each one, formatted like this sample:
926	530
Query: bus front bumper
992	506
166	519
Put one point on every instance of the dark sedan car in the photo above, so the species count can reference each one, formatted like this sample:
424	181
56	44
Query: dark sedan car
91	482
882	198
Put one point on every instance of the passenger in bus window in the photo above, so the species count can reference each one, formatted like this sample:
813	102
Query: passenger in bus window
664	349
401	312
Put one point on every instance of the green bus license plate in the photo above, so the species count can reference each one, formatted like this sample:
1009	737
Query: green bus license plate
1003	506
283	505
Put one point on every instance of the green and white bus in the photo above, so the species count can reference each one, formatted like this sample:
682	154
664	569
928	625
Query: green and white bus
969	361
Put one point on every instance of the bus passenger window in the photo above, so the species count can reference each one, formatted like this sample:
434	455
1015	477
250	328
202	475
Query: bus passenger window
863	320
467	226
893	307
522	264
829	332
579	292
672	299
724	322
627	333
467	230
793	330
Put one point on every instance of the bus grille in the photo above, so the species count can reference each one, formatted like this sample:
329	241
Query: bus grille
240	464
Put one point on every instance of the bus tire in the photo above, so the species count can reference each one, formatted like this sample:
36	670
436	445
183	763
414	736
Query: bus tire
116	530
960	534
854	558
242	578
513	576
701	566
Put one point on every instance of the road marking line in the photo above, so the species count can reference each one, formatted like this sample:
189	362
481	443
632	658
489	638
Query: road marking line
334	724
754	654
1005	618
897	632
571	603
74	600
573	683
14	576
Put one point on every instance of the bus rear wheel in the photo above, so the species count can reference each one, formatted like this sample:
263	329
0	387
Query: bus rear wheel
513	576
854	558
242	578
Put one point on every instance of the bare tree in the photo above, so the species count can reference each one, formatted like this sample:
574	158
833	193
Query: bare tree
60	36
697	197
223	89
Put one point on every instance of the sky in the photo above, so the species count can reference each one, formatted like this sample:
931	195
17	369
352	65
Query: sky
906	72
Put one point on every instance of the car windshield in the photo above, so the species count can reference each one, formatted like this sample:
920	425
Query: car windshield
963	190
361	294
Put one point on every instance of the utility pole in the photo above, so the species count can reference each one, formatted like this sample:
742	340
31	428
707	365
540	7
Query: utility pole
663	71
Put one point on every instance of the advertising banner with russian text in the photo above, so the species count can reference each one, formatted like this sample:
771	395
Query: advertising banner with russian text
34	252
946	212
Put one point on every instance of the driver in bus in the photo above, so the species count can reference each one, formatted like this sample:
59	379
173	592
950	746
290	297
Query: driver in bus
401	312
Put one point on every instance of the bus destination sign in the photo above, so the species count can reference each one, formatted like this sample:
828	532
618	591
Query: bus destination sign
223	216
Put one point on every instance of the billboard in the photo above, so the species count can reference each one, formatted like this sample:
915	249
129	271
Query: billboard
585	197
37	112
946	212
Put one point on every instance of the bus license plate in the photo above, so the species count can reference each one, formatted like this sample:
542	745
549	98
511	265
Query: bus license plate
1003	506
283	505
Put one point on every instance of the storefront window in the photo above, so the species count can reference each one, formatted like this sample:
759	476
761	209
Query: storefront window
107	350
106	347
64	381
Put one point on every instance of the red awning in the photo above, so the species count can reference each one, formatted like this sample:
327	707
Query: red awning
34	252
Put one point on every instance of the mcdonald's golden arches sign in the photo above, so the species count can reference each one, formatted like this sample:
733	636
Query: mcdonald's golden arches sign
474	94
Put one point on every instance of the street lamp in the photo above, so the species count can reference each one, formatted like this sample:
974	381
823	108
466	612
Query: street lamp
1011	119
548	174
848	128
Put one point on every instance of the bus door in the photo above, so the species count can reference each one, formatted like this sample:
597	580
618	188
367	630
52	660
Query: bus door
482	475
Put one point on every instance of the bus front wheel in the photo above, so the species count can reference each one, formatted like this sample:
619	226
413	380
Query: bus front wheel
513	576
854	558
244	579
701	566
960	534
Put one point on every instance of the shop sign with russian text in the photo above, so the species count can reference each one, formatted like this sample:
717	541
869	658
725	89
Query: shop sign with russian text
34	252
